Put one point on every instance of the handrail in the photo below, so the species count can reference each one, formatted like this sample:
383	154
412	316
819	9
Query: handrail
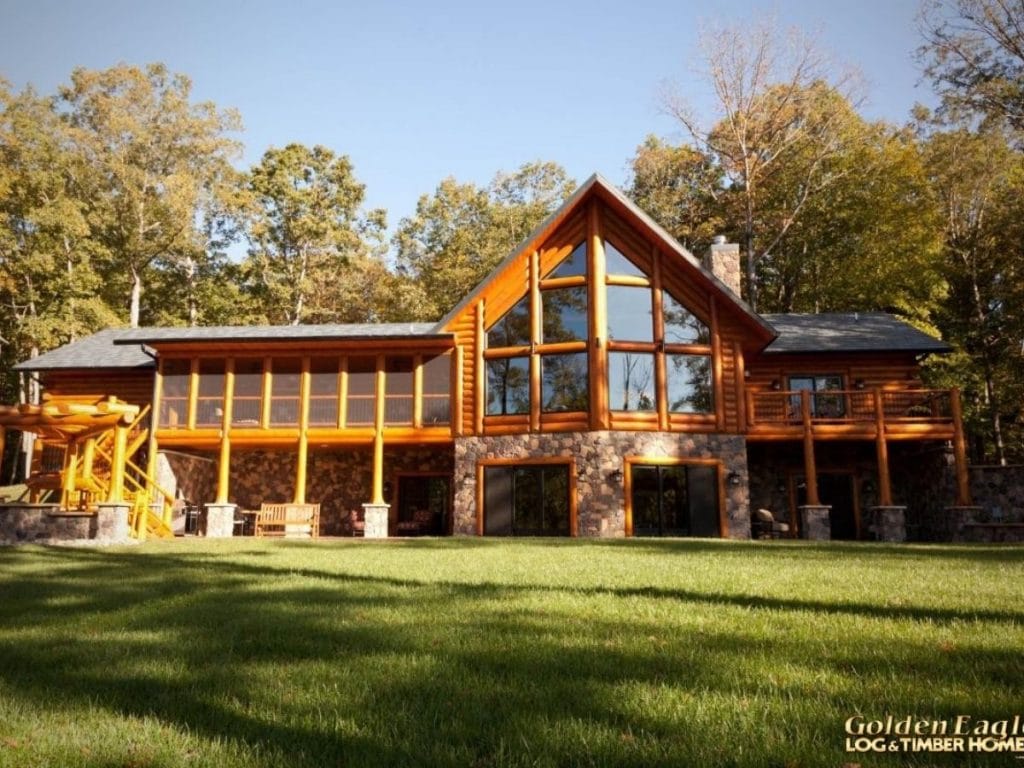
850	406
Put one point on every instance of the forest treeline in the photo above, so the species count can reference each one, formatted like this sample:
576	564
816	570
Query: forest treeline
121	205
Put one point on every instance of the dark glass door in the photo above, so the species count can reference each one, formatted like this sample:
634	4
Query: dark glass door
526	500
675	500
424	505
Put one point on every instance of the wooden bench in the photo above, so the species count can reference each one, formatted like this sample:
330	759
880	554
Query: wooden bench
275	519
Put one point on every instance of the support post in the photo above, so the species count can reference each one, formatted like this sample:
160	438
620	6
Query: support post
3	443
151	463
536	333
660	369
963	485
303	453
117	462
68	484
88	457
224	462
378	436
882	450
598	295
810	469
479	371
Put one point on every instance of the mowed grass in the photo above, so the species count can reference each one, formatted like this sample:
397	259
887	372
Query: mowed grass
491	653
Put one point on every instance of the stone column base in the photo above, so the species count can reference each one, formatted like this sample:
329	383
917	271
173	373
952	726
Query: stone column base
956	518
218	521
814	522
376	520
112	520
888	523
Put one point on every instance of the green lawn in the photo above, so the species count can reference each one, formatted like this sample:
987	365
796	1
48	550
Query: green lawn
484	652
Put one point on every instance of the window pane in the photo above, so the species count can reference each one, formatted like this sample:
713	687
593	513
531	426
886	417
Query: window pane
646	501
702	484
681	325
573	265
513	329
323	388
247	402
362	388
629	314
674	491
564	382
436	386
631	382
565	314
528	502
398	390
209	404
689	383
556	500
616	262
285	383
508	386
175	377
174	396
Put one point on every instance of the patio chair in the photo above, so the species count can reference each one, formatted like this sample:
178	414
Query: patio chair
765	526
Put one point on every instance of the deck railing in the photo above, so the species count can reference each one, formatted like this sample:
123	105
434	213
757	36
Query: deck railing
850	406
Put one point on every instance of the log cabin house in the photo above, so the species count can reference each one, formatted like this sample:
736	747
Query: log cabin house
602	381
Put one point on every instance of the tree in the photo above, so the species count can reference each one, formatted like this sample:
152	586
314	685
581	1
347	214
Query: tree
49	285
872	243
679	187
302	208
158	158
980	181
776	104
975	57
461	232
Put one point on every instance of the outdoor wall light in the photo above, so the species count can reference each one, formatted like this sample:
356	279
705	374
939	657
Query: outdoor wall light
776	385
781	487
615	475
859	384
733	478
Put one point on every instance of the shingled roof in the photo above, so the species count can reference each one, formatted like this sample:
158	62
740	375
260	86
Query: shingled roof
326	332
848	332
100	350
123	347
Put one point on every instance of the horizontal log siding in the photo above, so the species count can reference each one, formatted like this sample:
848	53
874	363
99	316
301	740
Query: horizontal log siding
132	387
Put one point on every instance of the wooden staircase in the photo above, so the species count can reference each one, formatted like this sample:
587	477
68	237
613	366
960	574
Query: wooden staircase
79	470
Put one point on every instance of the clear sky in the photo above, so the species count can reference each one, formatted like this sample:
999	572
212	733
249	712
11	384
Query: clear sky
417	91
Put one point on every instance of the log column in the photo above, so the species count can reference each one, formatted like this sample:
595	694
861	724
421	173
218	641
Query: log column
814	516
882	449
220	516
376	513
303	448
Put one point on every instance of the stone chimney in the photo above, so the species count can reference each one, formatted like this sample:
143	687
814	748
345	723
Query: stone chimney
723	259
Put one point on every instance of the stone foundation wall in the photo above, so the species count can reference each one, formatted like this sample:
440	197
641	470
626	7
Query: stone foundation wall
193	476
340	481
600	499
999	491
24	523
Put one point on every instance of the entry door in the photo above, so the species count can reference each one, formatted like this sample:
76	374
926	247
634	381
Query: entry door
424	504
674	500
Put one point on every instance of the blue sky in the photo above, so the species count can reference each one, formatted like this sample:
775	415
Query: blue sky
417	91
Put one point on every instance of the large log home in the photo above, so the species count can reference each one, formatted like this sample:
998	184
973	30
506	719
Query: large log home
602	381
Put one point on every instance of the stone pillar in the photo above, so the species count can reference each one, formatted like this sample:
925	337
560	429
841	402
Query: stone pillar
888	523
218	521
112	520
376	520
955	519
814	522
